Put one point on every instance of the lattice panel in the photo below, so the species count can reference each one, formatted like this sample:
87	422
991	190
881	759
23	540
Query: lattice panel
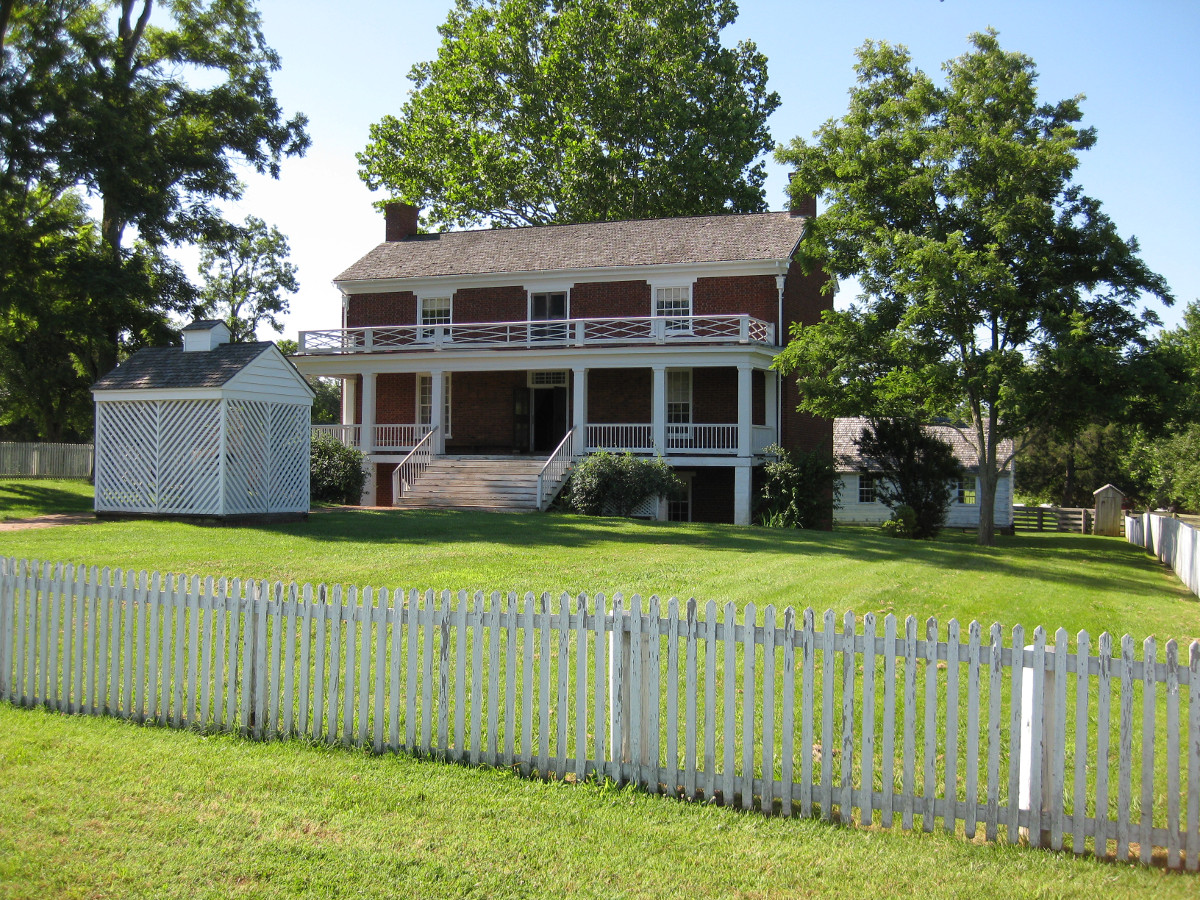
290	454
248	428
126	456
189	443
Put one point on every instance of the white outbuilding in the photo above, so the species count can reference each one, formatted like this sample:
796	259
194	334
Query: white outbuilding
212	428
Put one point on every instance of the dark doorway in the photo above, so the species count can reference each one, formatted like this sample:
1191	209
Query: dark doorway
549	408
521	429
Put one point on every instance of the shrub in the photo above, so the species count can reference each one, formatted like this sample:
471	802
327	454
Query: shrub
336	472
604	484
799	489
903	522
916	470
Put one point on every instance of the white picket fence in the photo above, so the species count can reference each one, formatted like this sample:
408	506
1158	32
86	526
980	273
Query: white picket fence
31	460
1175	543
780	716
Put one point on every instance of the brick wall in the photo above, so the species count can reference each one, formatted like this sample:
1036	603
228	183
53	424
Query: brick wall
383	483
803	302
395	308
481	410
396	398
610	300
495	304
754	295
714	395
619	395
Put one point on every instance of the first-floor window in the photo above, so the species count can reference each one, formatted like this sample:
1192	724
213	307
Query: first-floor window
679	408
679	509
425	402
866	489
964	490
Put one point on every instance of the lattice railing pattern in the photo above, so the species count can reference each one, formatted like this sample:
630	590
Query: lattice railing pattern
289	465
164	456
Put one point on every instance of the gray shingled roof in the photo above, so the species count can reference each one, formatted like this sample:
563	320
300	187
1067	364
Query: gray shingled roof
846	431
644	242
170	367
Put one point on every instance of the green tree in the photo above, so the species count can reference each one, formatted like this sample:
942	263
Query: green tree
955	208
914	469
539	111
247	277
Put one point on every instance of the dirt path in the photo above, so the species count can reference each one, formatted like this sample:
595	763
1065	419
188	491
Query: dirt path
49	521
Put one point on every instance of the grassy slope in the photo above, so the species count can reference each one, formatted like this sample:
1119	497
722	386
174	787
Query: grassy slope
23	498
1070	581
102	808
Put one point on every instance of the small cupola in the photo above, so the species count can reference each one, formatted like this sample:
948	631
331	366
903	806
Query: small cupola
205	334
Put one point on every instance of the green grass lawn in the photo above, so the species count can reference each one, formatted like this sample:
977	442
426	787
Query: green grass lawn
92	807
102	808
23	498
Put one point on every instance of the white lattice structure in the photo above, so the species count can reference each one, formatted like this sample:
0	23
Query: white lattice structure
216	430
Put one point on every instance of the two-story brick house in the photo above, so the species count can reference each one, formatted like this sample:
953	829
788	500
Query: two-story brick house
653	336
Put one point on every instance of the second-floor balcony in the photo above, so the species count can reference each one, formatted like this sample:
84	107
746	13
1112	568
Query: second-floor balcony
727	329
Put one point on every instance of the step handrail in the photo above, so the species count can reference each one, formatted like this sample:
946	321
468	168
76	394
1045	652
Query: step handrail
554	473
413	466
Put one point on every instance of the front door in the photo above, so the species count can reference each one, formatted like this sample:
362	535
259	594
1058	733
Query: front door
549	408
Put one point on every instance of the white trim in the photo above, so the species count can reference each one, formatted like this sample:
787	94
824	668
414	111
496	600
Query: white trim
446	405
426	296
674	274
565	290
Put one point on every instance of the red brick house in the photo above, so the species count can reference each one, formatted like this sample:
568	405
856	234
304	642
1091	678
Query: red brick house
653	336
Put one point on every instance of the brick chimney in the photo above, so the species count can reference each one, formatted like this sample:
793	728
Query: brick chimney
801	206
400	221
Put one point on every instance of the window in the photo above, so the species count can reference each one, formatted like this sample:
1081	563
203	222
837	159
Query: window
425	402
674	301
433	311
679	408
866	489
964	490
550	307
679	509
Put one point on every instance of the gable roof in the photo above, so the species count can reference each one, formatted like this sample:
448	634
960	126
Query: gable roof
170	367
847	457
638	242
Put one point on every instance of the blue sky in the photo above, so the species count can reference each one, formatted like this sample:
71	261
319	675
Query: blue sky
345	66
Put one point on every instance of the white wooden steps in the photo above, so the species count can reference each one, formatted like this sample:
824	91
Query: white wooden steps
476	482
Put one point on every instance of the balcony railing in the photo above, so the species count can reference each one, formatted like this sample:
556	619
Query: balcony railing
695	439
564	333
387	437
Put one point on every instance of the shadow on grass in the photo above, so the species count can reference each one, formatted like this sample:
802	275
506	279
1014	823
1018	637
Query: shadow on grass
26	499
1084	561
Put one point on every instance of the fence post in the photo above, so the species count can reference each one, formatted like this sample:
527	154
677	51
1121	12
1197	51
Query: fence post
248	668
620	689
1048	725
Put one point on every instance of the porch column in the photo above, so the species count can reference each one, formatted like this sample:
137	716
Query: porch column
771	403
348	400
437	409
741	495
658	409
367	437
579	406
745	421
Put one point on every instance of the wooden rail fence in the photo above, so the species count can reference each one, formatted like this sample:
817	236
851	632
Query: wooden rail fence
1086	747
26	460
1053	518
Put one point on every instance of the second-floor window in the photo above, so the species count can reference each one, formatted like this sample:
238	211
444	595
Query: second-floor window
675	305
549	307
434	311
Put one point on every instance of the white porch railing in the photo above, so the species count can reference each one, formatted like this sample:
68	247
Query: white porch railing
405	475
620	438
554	472
347	435
703	438
563	333
762	437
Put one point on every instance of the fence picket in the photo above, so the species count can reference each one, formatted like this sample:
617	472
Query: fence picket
366	611
100	645
617	676
1037	742
974	633
320	639
909	789
1014	733
510	682
95	652
336	612
748	689
153	607
768	714
543	625
827	669
1125	750
1192	847
180	600
788	713
381	615
673	691
1103	731
710	700
866	755
526	754
304	627
443	702
396	619
412	622
1058	758
54	690
139	667
427	672
1082	682
691	686
1172	674
262	596
846	799
729	676
290	613
193	655
953	648
581	653
1149	689
634	721
806	712
20	606
890	654
7	592
353	612
600	682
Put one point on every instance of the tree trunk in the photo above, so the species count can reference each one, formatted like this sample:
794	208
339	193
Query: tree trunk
1068	494
985	484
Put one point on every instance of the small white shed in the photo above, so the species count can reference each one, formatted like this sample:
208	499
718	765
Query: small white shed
210	429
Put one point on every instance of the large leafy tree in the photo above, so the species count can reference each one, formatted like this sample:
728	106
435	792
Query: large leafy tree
247	277
539	111
980	260
150	111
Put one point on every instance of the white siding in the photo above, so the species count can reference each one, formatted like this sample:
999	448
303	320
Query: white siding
269	378
851	512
